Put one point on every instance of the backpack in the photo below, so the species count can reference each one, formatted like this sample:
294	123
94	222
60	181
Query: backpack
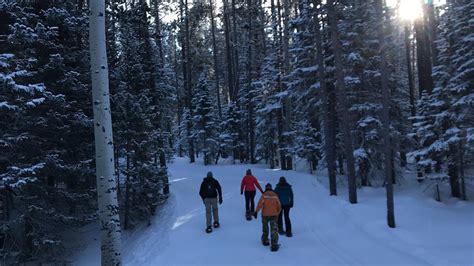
209	188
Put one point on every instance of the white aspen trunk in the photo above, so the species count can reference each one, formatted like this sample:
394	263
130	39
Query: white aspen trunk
104	149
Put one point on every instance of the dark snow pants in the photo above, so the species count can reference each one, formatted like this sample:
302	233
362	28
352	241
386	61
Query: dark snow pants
250	201
285	210
272	220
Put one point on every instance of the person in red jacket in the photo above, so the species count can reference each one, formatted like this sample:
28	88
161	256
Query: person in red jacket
249	186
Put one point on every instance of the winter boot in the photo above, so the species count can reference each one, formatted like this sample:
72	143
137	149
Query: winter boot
248	216
209	229
281	232
265	242
216	225
289	234
274	248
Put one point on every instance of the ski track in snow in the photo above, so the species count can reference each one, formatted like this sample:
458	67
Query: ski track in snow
326	230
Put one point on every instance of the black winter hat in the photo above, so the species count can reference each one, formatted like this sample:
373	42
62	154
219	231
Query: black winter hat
268	186
209	174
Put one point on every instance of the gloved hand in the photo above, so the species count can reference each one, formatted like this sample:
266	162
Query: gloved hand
241	192
255	215
291	205
220	200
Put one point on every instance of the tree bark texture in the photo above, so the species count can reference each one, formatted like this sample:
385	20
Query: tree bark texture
385	117
328	130
106	184
342	98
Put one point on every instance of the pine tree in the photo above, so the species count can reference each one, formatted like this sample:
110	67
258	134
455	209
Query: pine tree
328	125
302	85
385	115
49	132
205	124
445	116
342	98
140	97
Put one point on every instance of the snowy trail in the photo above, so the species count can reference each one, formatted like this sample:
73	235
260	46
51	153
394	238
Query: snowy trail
238	240
327	230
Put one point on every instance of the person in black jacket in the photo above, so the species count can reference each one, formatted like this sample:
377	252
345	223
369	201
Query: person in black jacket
209	191
285	194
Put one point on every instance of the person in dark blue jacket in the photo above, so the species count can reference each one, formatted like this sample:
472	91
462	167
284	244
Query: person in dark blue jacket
285	194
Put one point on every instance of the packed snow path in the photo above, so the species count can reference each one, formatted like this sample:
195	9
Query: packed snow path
326	230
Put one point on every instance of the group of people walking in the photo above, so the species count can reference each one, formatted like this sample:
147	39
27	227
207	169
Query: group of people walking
275	205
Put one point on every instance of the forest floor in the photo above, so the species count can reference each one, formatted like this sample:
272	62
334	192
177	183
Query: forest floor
326	230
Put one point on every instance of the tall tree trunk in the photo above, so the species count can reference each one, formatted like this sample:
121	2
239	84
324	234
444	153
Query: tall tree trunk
273	157
214	53
461	165
281	141
276	158
333	123
432	23
425	80
117	171
281	111
385	117
453	171
286	69
166	184
228	52
188	82
328	130
261	28
250	108
413	64
235	53
411	84
158	37
342	98
106	185
179	98
126	219
186	77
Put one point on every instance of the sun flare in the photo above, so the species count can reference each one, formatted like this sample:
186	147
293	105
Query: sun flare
409	9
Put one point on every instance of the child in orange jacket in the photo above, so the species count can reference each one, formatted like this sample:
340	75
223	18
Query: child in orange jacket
271	208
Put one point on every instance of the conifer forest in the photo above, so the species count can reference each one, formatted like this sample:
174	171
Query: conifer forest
99	98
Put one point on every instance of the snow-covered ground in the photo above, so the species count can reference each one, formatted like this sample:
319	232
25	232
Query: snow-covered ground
326	230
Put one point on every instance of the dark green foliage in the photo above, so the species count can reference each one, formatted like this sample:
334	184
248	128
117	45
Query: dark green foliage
46	141
46	136
141	102
443	129
205	123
